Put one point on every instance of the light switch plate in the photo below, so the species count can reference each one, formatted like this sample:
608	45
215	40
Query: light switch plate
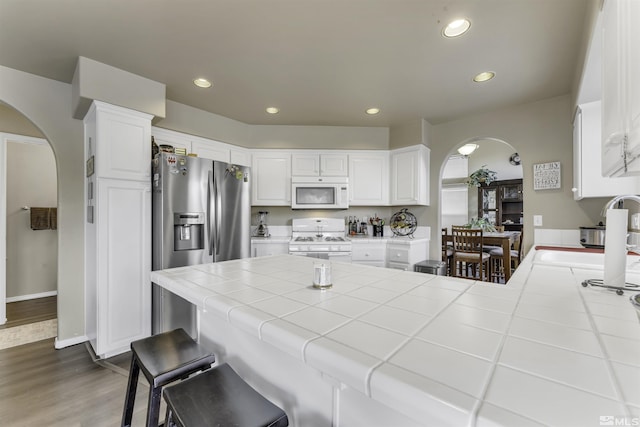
537	220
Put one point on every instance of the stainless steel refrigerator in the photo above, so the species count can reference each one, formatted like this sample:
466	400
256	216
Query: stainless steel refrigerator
201	214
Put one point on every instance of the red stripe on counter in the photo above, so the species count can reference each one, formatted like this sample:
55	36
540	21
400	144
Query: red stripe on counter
589	250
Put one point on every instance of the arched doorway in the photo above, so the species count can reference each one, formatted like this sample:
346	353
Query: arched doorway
458	201
28	282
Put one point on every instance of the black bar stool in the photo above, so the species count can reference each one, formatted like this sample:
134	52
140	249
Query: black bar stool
163	358
219	397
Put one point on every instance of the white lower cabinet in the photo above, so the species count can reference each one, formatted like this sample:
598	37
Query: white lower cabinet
123	264
369	252
404	254
267	247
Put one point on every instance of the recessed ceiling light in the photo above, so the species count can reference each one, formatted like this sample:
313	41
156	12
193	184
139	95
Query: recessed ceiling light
202	83
456	28
484	76
272	110
372	111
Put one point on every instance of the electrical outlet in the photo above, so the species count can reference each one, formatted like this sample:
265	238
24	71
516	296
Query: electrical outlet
537	220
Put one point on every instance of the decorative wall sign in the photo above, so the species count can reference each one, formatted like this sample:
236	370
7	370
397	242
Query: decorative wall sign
546	176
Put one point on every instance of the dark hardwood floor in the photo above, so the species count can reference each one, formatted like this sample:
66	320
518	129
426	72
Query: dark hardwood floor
42	386
30	311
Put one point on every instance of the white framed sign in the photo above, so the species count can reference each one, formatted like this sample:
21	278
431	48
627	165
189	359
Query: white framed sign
546	176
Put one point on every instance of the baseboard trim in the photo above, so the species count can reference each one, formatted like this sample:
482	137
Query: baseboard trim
70	341
32	296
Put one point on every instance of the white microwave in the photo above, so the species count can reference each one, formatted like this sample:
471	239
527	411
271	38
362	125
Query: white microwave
316	192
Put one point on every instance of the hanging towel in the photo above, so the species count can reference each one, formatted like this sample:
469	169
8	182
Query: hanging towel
53	218
44	218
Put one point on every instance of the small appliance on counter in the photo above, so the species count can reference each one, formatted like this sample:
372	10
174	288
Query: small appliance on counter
262	230
593	237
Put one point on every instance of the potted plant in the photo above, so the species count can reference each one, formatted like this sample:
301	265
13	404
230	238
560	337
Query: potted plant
482	223
482	176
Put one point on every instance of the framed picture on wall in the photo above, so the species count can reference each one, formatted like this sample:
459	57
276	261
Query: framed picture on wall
546	176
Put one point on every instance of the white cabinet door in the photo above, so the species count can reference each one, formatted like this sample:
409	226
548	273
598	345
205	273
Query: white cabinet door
269	248
633	90
410	176
620	88
122	142
305	164
323	164
240	156
404	255
174	139
211	150
369	178
334	165
369	253
123	263
271	184
587	178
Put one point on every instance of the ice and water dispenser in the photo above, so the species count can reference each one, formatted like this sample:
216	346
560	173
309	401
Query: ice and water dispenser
188	231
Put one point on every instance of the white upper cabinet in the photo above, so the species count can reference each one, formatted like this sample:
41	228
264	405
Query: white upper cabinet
122	142
620	88
208	149
271	183
324	164
587	179
369	178
410	176
203	147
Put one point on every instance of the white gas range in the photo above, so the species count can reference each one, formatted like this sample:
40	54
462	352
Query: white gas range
320	238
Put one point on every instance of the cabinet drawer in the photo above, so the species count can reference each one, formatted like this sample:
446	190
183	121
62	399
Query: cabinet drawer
398	255
367	253
398	265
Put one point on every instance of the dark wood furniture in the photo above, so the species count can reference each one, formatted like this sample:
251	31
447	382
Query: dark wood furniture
219	397
503	240
468	254
163	359
501	202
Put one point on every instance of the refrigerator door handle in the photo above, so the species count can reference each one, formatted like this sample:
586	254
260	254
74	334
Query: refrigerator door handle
218	195
210	213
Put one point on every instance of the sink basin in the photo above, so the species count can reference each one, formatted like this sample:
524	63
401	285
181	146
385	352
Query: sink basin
580	259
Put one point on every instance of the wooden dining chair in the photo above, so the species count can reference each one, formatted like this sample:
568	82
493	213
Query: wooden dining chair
447	252
497	269
489	248
468	254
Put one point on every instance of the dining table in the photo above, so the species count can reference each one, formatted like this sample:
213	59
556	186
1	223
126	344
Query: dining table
504	239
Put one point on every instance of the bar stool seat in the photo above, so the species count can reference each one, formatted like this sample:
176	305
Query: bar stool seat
219	397
162	358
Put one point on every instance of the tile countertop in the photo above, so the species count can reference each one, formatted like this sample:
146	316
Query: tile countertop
541	350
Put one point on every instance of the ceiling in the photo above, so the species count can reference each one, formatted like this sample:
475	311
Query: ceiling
321	62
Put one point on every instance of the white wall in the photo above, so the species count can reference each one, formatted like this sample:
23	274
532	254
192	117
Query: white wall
47	104
540	132
32	256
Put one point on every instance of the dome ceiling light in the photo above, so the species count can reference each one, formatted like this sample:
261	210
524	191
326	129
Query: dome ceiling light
456	28
467	149
272	110
372	111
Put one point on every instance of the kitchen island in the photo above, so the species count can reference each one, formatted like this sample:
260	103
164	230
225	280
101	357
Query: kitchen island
384	347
